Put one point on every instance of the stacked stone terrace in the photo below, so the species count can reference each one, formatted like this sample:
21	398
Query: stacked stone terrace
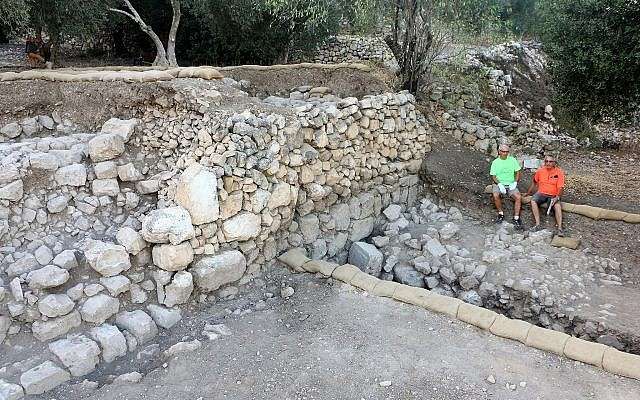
106	235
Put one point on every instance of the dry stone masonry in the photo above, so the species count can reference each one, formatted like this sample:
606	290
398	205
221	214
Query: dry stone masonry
106	235
353	48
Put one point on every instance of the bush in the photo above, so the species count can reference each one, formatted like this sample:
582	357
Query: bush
594	54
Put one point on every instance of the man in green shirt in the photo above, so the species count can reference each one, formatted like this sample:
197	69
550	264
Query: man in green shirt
505	172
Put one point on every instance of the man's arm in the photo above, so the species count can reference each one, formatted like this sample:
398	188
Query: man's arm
495	179
518	174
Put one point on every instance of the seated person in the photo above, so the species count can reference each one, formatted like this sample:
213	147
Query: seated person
549	180
505	172
32	49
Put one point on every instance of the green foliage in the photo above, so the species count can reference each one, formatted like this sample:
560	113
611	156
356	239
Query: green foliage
13	15
473	20
595	56
255	31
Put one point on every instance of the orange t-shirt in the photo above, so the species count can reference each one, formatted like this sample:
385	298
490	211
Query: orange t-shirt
549	181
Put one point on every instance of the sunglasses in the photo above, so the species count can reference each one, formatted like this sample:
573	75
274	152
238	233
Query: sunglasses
549	161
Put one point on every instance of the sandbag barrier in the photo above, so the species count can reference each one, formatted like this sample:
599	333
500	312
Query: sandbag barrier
596	354
122	74
595	213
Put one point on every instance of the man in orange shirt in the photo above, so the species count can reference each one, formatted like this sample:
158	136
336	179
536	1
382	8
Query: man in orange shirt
549	180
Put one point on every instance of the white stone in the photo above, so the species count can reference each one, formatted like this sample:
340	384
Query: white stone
12	130
111	340
66	259
55	305
105	147
47	277
105	187
197	192
129	173
243	226
392	212
99	308
131	240
78	353
106	170
172	258
44	161
130	377
10	391
139	324
148	186
107	259
121	127
44	377
57	204
43	255
179	290
46	121
52	328
71	175
168	225
449	230
436	248
116	285
183	347
212	272
13	191
280	196
164	317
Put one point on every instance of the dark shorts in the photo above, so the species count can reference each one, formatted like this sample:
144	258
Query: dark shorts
541	198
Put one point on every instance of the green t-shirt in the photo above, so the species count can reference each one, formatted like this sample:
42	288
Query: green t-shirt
505	170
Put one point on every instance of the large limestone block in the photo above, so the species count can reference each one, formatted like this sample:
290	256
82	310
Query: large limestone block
172	258
13	191
121	127
10	391
179	290
212	272
139	324
281	196
514	329
361	228
443	304
99	308
131	240
47	277
54	327
367	257
105	187
164	317
197	192
78	353
55	305
586	352
71	175
111	340
106	147
12	130
107	259
568	242
43	377
476	316
621	363
168	225
547	340
243	226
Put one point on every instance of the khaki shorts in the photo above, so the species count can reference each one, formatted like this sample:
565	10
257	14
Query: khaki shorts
510	192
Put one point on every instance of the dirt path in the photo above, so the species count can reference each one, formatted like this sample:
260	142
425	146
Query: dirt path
330	342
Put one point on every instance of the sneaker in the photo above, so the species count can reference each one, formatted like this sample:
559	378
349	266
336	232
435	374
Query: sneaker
535	228
560	233
518	223
500	219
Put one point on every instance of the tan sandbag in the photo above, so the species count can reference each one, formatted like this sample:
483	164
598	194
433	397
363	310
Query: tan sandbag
621	363
569	207
175	72
364	281
632	218
508	328
154	76
547	340
88	77
476	316
345	272
613	215
207	73
411	295
294	258
568	242
326	268
30	75
588	211
443	304
586	352
385	288
8	76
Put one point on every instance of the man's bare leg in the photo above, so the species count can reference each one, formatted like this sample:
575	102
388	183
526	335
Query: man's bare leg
535	209
557	209
518	200
498	202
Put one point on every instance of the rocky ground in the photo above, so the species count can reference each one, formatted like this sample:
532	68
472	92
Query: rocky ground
330	341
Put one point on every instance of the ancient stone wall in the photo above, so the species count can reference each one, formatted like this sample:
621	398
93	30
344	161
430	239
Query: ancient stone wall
350	48
104	235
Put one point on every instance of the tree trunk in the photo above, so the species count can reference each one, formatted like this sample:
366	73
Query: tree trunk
171	45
